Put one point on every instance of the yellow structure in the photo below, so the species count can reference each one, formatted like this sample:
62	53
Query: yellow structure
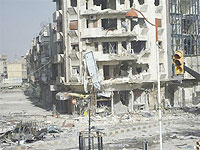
17	70
179	62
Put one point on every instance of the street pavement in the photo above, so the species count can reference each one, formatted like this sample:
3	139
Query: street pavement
180	128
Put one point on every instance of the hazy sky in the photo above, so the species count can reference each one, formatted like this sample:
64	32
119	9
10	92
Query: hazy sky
20	22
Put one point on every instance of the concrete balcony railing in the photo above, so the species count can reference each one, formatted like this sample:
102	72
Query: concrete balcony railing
141	32
57	16
99	56
58	37
99	32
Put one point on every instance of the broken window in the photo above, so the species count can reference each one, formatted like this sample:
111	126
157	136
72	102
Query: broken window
106	72
109	24
105	4
141	2
75	70
96	46
73	3
138	46
157	2
110	47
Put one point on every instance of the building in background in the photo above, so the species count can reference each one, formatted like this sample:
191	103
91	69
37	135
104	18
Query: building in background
124	50
17	72
3	67
40	63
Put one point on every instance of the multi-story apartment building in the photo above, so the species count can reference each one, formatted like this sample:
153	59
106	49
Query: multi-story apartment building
40	60
124	50
3	67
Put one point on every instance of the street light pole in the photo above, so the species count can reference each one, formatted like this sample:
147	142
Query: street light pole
133	14
158	80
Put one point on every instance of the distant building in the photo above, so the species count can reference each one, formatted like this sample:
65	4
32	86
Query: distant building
17	72
3	66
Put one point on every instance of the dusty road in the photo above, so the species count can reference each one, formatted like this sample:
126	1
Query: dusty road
181	128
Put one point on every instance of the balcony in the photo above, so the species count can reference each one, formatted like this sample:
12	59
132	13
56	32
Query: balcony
57	16
58	37
100	57
99	32
59	58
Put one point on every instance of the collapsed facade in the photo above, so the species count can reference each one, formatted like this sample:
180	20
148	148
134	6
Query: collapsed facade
124	50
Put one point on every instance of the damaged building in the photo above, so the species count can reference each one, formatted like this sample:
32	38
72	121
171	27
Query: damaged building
124	50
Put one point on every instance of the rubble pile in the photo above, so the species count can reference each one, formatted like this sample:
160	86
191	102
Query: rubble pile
27	132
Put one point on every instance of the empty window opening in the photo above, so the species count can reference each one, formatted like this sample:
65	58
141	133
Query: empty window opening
157	2
124	24
124	45
160	44
116	71
60	48
96	46
106	72
59	5
138	46
123	67
62	69
110	47
124	95
75	70
87	23
189	46
105	4
75	48
122	2
131	3
142	23
133	24
109	24
139	69
73	3
141	2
